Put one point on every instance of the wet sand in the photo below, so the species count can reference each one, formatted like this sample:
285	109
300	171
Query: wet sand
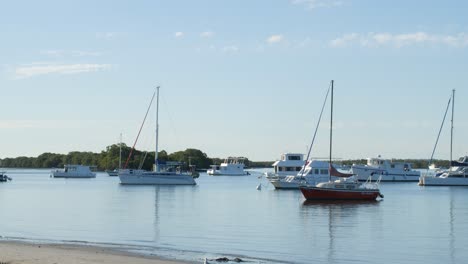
17	252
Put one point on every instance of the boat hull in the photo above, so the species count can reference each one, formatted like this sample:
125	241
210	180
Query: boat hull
75	176
156	179
113	173
363	174
315	193
294	183
443	181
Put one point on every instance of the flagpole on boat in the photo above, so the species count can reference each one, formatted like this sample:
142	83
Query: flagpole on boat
156	165
331	133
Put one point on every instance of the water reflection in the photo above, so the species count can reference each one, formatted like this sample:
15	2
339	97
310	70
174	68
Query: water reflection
335	221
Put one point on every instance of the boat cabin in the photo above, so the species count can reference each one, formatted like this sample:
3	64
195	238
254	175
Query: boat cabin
388	164
290	163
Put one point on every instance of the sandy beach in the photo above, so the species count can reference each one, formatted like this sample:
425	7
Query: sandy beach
16	252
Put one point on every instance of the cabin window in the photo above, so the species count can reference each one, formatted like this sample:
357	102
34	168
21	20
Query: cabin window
281	168
289	169
392	166
316	171
322	171
294	158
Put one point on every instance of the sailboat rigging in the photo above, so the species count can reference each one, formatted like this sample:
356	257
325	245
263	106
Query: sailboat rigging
343	188
163	174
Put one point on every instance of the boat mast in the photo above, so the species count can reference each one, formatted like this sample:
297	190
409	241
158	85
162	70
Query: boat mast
451	129
331	133
157	131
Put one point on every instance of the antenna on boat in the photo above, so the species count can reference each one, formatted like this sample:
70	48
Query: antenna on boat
156	164
331	133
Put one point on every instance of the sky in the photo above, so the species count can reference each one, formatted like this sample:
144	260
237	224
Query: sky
238	77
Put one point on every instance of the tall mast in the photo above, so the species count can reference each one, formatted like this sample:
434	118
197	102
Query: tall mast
331	132
157	131
120	152
451	129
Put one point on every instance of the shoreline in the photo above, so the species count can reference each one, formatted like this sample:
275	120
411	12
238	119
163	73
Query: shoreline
43	253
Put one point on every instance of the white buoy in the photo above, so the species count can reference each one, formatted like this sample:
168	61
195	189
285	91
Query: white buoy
259	187
205	261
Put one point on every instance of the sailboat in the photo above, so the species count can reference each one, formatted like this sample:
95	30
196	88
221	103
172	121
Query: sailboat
457	174
346	187
163	174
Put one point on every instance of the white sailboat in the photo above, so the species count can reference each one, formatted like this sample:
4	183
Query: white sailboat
456	175
162	174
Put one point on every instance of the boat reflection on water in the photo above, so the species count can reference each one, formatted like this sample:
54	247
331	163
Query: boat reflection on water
333	223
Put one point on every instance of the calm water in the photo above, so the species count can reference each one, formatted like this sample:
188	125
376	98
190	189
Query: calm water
227	216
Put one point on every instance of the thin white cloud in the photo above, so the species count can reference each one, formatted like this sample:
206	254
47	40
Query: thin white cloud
207	34
231	48
74	53
344	40
400	40
313	4
27	71
274	39
106	35
179	34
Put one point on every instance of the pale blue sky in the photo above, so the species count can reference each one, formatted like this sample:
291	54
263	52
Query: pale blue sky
244	77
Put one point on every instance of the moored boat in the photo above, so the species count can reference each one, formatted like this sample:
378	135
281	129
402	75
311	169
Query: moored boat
289	164
385	169
457	174
4	177
162	174
347	187
74	171
342	189
316	171
232	166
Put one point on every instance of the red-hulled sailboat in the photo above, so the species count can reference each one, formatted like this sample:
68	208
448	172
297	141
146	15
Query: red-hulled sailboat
346	188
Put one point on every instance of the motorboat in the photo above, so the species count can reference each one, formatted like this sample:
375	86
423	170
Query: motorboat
456	175
232	166
316	171
163	173
346	187
113	172
289	164
385	169
74	171
4	177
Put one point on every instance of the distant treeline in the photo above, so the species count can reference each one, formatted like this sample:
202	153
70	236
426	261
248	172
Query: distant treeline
109	159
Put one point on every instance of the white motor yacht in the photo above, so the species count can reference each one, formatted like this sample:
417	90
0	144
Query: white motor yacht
232	166
385	169
74	171
289	165
316	171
